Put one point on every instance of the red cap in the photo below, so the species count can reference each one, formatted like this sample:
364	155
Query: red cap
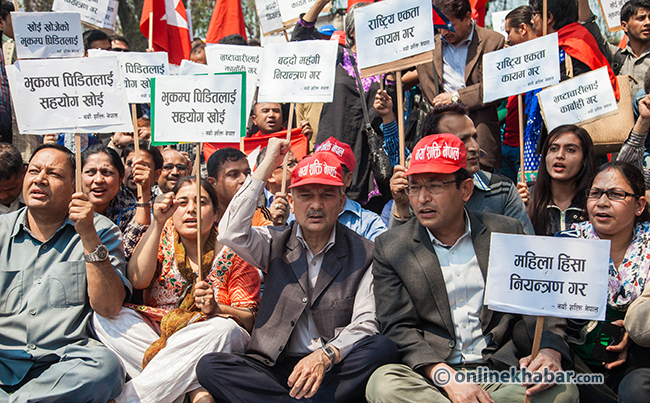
340	150
320	169
439	154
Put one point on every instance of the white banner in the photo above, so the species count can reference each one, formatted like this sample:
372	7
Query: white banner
392	30
269	13
137	69
206	108
66	95
521	68
612	12
499	22
92	11
111	15
228	58
548	276
298	72
291	9
188	68
578	100
44	35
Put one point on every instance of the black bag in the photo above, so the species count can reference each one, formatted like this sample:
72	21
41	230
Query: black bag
379	162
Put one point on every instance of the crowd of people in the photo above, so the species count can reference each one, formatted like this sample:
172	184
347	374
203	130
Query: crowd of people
332	269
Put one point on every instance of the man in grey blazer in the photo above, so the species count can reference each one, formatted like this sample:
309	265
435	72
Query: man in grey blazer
316	333
429	282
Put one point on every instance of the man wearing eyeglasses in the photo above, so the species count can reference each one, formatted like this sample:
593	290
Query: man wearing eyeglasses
174	167
429	278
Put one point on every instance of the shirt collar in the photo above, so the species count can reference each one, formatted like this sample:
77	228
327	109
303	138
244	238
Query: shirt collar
467	40
354	208
22	223
468	231
327	247
479	183
628	50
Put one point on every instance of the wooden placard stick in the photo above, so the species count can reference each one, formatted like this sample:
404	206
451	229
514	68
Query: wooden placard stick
520	107
539	327
136	145
286	36
400	117
77	159
151	30
199	242
544	18
284	163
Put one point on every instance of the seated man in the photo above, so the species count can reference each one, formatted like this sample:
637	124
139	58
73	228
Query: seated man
12	172
174	167
60	261
429	283
268	119
315	335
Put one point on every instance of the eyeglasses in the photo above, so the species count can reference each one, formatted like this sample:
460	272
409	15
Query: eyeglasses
169	167
612	194
120	50
432	188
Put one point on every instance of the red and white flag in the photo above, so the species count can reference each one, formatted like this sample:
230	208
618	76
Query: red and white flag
227	19
170	29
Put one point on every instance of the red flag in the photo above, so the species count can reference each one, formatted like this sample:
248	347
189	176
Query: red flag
170	30
478	11
227	19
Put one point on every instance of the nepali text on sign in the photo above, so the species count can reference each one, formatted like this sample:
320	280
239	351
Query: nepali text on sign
44	35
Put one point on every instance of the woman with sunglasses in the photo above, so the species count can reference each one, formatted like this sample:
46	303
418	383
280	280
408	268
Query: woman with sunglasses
617	211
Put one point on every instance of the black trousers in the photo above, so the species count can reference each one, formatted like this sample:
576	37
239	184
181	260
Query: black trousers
240	378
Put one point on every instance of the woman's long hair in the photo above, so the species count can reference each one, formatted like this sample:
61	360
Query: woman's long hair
542	196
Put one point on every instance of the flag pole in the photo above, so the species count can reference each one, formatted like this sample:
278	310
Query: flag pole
520	107
151	30
400	117
199	244
286	157
77	158
136	145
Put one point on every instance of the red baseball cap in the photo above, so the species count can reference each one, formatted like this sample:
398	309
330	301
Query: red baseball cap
340	150
439	154
320	169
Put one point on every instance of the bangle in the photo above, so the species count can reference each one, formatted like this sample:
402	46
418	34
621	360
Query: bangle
147	204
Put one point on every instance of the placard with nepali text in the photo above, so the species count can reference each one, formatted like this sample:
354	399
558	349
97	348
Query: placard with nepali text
612	12
111	15
269	13
43	35
92	11
548	276
188	68
298	72
205	108
137	69
521	68
499	22
67	94
389	31
227	58
578	100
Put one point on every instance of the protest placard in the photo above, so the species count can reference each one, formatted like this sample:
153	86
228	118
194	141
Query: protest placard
578	100
66	95
392	31
204	108
188	68
521	68
270	18
43	35
137	69
499	22
548	276
227	58
277	37
92	12
290	10
298	72
111	15
612	12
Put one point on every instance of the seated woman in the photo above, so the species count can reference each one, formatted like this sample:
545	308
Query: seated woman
566	169
212	315
617	211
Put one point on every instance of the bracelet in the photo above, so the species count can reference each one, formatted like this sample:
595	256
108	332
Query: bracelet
147	204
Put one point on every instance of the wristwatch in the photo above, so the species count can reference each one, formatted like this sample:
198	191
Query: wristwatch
98	255
331	354
454	97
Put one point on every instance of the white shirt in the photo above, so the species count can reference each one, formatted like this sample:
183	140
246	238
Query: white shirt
465	285
454	59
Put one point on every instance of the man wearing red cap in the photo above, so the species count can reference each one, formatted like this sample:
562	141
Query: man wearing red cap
315	335
364	222
429	283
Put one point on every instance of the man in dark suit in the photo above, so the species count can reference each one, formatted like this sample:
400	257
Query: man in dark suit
456	74
315	335
429	282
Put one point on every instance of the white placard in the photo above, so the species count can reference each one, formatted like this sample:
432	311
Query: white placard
578	100
499	22
137	69
548	276
298	72
44	35
612	12
269	13
227	58
392	30
111	15
188	68
521	68
276	37
65	95
205	108
290	10
92	11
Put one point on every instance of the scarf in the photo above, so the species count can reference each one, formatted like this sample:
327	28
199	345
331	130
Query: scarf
626	282
187	312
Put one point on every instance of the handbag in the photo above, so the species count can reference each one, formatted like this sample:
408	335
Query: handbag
379	162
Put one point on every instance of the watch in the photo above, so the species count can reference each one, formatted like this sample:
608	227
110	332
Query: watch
331	354
98	255
454	97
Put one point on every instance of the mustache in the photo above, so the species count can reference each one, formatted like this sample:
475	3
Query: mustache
316	213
